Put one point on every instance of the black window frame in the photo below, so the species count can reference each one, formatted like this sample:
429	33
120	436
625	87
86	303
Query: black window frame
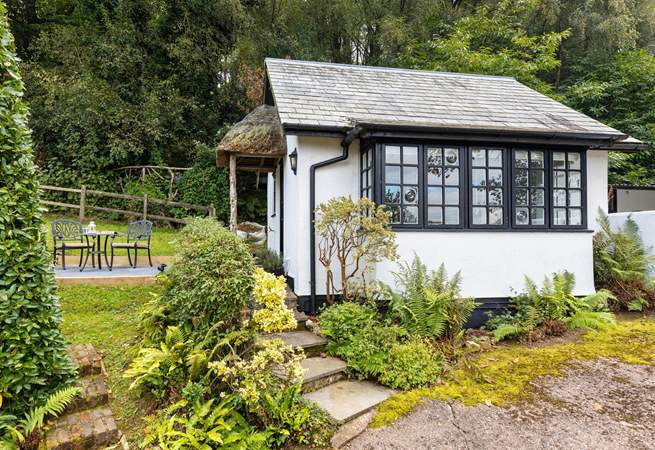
381	157
504	170
367	169
466	189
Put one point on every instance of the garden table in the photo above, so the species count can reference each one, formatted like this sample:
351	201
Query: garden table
99	250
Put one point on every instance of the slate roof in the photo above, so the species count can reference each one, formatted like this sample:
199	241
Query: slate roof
312	95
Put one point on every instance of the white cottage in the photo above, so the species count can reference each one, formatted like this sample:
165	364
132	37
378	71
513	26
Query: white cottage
479	172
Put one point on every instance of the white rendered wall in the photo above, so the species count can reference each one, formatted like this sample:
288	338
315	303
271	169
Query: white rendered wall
492	263
273	211
645	221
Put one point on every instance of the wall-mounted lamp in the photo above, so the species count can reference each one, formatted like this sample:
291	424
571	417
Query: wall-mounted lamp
293	160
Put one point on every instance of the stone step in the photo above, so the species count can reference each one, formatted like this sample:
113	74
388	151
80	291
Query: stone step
89	429
94	394
311	343
320	372
87	359
348	399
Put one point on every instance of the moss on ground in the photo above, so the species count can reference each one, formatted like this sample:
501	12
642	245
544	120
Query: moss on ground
503	375
107	317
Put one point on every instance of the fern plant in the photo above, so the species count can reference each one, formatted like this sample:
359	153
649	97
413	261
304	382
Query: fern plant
622	264
14	433
429	303
553	302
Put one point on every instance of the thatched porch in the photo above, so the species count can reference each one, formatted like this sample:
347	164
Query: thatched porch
255	144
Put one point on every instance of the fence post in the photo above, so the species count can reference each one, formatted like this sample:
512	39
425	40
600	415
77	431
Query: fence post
145	206
211	210
82	203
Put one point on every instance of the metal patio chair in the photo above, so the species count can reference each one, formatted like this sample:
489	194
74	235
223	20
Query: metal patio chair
67	235
138	237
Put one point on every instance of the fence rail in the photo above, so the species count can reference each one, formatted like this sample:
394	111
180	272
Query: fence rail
145	200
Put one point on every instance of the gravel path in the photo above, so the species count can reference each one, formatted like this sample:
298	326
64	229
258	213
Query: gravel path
601	404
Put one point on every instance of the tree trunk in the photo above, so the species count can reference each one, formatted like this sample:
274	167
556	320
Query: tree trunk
233	192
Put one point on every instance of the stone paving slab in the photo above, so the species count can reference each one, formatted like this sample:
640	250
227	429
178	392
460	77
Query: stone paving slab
94	393
89	429
317	367
302	339
87	359
348	399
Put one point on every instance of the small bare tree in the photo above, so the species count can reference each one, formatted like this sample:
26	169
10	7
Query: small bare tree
357	235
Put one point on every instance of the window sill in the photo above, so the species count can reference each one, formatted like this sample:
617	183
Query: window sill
491	230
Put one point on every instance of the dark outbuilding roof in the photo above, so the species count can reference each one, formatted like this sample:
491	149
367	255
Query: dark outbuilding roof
324	96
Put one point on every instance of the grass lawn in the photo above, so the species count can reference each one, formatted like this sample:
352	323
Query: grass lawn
107	317
161	244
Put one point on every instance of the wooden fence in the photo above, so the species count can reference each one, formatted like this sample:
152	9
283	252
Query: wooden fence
145	201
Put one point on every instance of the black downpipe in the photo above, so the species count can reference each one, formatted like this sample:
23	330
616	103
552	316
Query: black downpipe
345	147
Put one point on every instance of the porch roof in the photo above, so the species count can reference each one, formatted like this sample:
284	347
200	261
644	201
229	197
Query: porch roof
257	141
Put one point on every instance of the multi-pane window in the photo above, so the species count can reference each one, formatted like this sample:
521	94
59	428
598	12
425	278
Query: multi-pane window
443	166
366	173
401	184
529	188
567	189
450	186
487	204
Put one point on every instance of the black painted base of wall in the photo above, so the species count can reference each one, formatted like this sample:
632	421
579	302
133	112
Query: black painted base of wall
487	306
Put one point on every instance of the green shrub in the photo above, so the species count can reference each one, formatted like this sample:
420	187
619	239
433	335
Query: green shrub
554	302
211	280
411	364
429	304
622	265
33	360
377	350
269	260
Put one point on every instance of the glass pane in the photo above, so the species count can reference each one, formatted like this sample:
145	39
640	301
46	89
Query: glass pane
452	215
559	160
495	196
479	196
434	175
410	155
479	157
537	197
434	157
410	195
559	197
479	177
392	174
495	216
392	154
410	175
537	159
479	216
521	159
521	178
392	194
575	216
495	158
495	177
451	176
369	158
559	179
575	198
538	216
451	196
537	178
435	215
452	156
521	197
434	195
410	214
559	216
395	213
575	180
574	161
522	216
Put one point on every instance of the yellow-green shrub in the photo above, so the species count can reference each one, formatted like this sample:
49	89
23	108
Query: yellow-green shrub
269	292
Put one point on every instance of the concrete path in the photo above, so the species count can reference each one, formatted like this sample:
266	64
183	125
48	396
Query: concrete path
600	404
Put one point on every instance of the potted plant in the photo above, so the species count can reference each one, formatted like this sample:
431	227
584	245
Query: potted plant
270	261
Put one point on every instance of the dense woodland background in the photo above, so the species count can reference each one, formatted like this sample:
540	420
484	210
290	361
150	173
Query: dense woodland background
112	83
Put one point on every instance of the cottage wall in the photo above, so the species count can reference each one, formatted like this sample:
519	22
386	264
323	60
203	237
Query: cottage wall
493	264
